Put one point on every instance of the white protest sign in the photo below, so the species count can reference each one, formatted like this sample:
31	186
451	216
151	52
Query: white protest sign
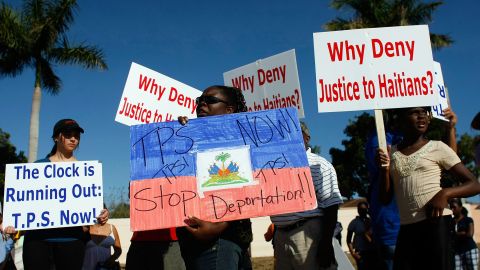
53	194
269	83
150	97
441	90
374	68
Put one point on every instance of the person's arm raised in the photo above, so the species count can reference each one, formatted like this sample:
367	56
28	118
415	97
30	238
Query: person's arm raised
386	191
451	130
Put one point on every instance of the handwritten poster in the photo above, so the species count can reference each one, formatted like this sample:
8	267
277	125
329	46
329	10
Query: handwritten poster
218	168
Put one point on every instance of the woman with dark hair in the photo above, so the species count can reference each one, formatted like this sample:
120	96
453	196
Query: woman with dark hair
466	251
413	171
59	248
220	245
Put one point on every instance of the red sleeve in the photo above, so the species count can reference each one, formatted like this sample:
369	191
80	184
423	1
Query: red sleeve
164	235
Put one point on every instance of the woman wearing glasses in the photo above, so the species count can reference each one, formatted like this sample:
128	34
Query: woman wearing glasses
221	245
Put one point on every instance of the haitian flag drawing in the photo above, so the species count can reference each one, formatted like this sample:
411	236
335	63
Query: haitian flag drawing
218	168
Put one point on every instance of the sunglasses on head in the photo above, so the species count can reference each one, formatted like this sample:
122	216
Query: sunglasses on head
209	100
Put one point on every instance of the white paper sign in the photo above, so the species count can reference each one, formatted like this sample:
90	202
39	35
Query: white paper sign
374	68
150	97
51	195
441	90
269	83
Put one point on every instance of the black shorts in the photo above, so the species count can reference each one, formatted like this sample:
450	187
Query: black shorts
425	245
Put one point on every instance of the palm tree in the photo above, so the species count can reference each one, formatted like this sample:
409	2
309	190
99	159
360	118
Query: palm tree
223	157
36	38
384	13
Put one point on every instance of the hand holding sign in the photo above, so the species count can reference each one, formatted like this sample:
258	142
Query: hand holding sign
205	230
451	116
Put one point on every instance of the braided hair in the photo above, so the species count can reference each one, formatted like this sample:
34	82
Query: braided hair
234	95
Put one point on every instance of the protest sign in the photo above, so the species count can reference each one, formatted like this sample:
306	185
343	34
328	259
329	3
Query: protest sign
150	97
374	68
218	168
51	195
269	83
442	93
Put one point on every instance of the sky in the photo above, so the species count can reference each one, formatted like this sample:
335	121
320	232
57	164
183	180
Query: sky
195	42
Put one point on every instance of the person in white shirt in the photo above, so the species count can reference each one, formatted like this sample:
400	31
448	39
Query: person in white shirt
303	240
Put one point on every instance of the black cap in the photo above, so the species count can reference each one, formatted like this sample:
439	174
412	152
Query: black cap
66	125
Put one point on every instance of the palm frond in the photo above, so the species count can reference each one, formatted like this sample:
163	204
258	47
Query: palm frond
365	13
11	28
57	19
439	41
421	13
342	24
340	4
13	42
34	11
60	16
12	62
88	56
382	13
49	81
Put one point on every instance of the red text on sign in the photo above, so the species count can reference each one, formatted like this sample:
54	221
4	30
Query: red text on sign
182	100
339	50
393	49
148	84
272	75
338	91
244	83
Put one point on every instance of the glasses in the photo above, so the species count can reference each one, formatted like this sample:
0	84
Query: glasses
209	100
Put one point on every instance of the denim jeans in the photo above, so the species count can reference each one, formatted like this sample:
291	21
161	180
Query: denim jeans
385	256
223	254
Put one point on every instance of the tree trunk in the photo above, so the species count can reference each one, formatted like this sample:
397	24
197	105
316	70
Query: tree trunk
34	123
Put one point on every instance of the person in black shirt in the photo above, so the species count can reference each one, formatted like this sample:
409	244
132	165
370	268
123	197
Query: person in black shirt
466	251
